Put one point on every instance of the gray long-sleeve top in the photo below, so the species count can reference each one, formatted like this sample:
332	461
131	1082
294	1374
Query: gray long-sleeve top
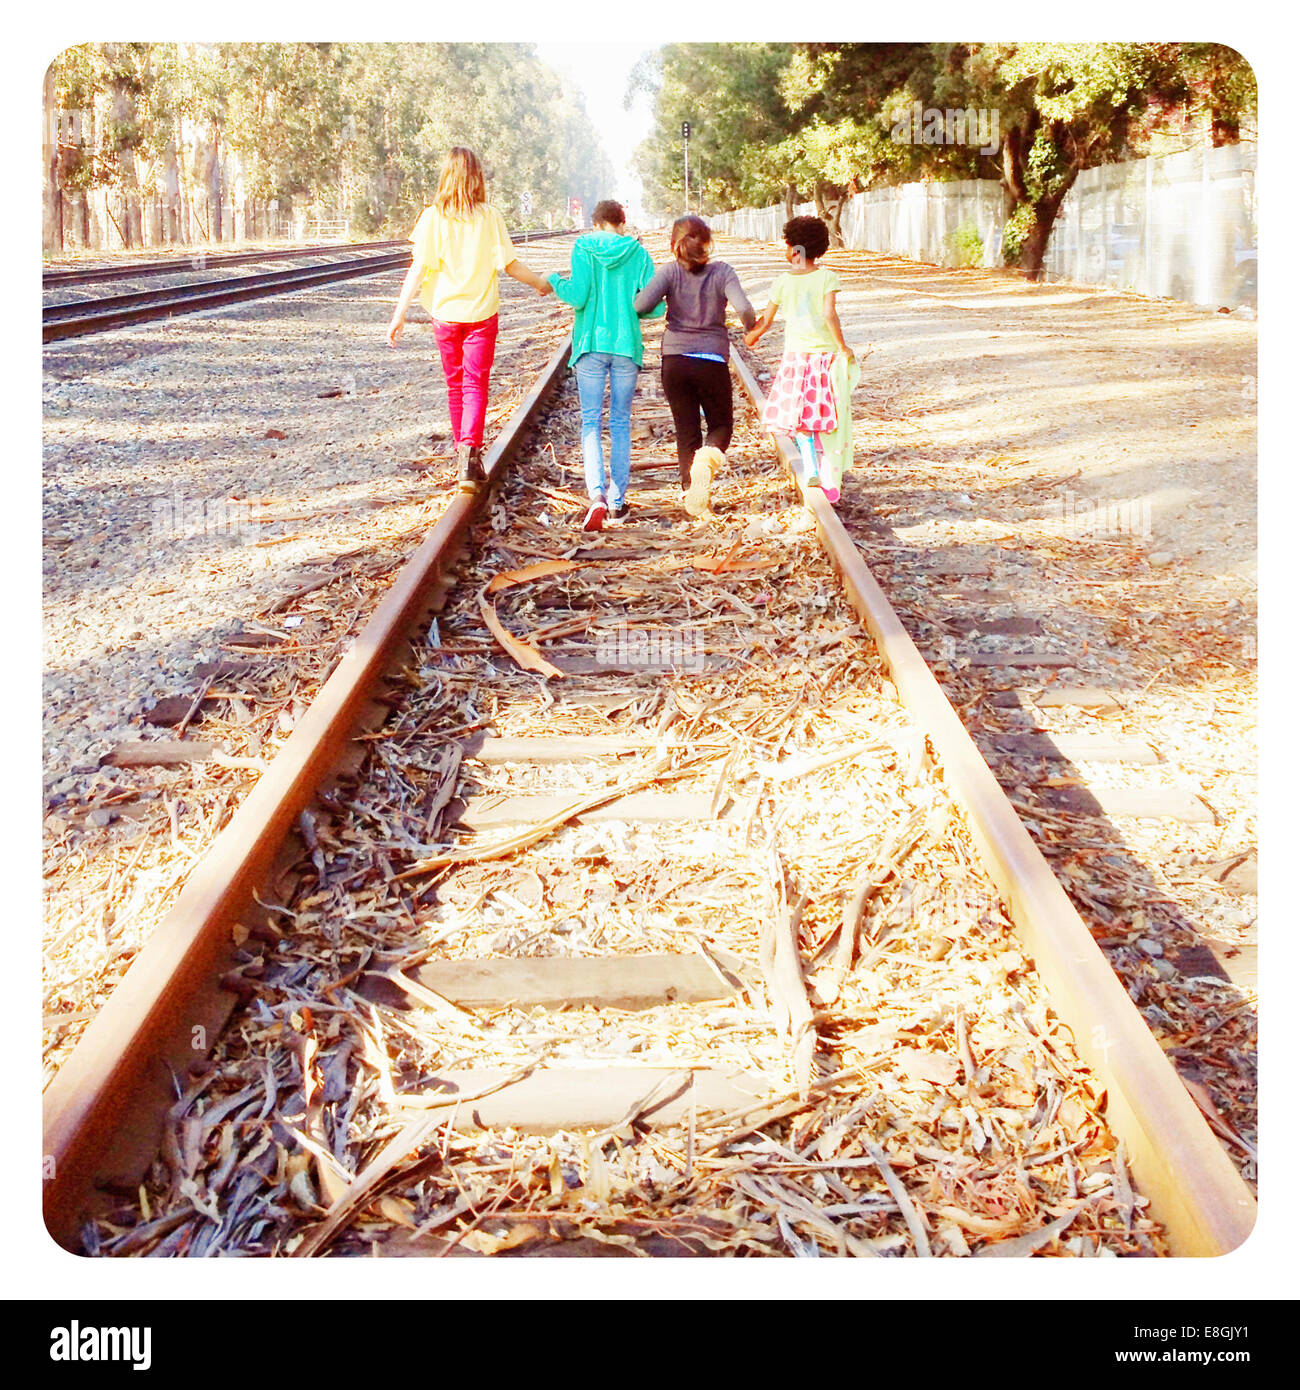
697	306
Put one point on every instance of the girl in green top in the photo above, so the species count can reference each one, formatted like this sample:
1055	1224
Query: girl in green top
605	273
809	395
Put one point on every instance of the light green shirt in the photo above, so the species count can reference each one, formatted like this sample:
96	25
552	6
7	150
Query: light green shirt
802	302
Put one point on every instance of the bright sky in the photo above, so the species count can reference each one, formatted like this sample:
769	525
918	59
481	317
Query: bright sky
600	71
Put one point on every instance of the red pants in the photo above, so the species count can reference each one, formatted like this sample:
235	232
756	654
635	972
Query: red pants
467	350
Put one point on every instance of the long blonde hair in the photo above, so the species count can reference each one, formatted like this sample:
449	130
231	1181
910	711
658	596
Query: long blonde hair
461	188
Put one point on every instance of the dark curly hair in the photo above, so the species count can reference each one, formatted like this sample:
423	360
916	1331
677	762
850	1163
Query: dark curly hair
810	233
610	212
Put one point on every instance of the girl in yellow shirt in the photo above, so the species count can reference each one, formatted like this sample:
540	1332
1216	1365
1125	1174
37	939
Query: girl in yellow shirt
811	397
460	243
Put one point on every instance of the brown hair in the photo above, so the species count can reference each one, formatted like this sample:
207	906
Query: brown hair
610	212
461	188
691	241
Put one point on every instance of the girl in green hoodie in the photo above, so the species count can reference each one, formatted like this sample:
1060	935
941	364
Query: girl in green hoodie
605	273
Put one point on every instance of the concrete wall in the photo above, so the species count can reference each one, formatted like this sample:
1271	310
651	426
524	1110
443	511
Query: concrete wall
1179	226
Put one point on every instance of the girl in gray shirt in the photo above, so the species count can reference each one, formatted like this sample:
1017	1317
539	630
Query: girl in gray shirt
695	351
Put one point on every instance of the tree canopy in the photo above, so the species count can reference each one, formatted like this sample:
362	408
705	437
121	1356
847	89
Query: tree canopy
169	142
823	121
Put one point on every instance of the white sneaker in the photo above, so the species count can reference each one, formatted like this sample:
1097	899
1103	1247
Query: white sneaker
705	464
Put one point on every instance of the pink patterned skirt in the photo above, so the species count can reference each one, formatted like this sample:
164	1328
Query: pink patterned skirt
802	399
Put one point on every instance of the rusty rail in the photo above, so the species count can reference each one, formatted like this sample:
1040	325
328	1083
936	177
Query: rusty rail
1194	1190
103	1111
184	261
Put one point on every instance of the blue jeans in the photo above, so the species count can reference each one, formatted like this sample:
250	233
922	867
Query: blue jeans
591	369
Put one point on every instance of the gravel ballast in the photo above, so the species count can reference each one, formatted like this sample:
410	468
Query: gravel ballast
202	474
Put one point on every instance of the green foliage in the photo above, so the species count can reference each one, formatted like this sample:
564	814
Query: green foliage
728	93
965	245
363	126
1015	231
1045	167
818	117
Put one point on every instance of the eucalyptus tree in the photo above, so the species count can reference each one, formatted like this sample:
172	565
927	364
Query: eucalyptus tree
177	142
729	94
829	120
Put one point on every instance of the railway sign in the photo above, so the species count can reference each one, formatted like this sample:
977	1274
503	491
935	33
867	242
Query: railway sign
526	203
686	130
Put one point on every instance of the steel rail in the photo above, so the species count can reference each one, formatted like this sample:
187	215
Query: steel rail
184	264
104	1109
198	289
118	311
81	317
1194	1190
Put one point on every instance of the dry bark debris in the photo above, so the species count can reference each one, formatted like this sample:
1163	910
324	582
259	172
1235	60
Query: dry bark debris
974	517
265	609
943	1107
116	860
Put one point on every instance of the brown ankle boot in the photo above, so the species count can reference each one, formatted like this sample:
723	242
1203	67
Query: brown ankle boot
469	465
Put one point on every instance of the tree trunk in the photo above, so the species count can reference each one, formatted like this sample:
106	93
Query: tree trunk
97	196
76	158
1015	152
247	218
185	157
212	178
230	227
1034	247
132	221
124	140
791	199
81	219
829	201
156	237
171	192
51	195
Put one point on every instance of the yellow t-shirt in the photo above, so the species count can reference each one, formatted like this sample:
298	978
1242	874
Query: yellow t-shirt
802	300
461	257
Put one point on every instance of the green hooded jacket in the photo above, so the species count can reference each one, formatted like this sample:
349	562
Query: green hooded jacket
605	274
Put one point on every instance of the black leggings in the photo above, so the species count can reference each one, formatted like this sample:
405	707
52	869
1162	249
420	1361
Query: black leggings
692	384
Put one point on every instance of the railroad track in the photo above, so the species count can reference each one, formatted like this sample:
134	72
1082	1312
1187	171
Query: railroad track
637	890
81	317
201	259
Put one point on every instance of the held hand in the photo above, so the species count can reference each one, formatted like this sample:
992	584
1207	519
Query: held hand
545	288
752	337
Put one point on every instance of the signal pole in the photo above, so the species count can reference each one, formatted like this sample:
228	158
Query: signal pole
686	162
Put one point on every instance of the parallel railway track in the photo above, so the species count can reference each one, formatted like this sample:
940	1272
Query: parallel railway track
740	972
201	259
81	317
